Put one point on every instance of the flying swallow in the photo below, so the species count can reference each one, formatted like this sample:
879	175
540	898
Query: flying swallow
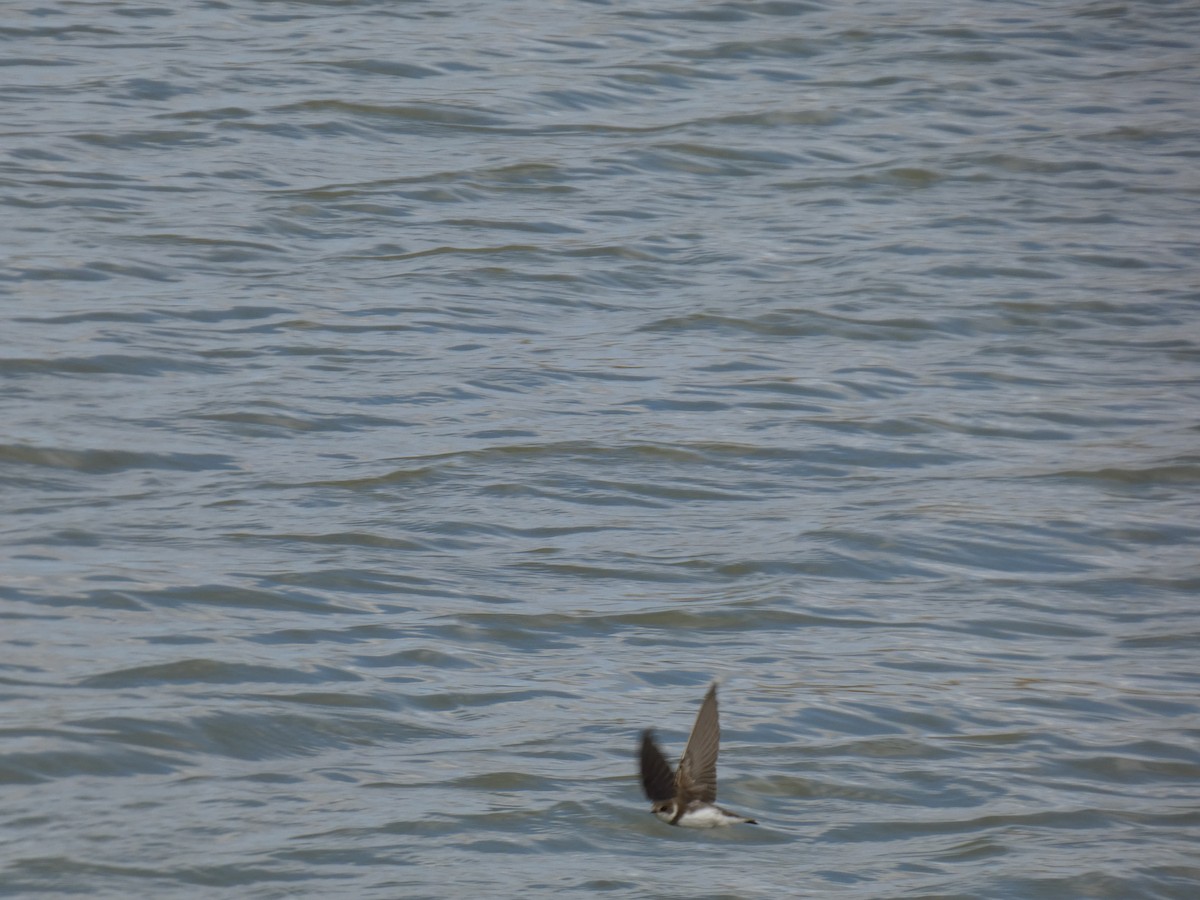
685	797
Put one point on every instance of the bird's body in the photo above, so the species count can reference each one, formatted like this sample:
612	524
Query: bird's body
698	814
685	796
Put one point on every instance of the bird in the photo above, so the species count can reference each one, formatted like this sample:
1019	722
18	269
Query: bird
685	796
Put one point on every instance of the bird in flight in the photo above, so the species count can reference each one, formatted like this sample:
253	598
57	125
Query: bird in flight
685	796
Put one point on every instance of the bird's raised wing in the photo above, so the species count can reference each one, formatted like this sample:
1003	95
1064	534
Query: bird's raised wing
658	781
697	777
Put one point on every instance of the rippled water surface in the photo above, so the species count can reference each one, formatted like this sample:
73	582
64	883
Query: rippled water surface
406	403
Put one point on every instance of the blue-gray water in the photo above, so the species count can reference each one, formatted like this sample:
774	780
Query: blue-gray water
405	403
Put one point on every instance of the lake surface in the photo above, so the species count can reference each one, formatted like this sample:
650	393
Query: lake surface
406	403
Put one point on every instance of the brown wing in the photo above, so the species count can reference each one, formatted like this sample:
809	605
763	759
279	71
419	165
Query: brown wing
658	781
697	778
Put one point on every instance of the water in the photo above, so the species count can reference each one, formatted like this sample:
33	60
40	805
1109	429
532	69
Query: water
406	403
